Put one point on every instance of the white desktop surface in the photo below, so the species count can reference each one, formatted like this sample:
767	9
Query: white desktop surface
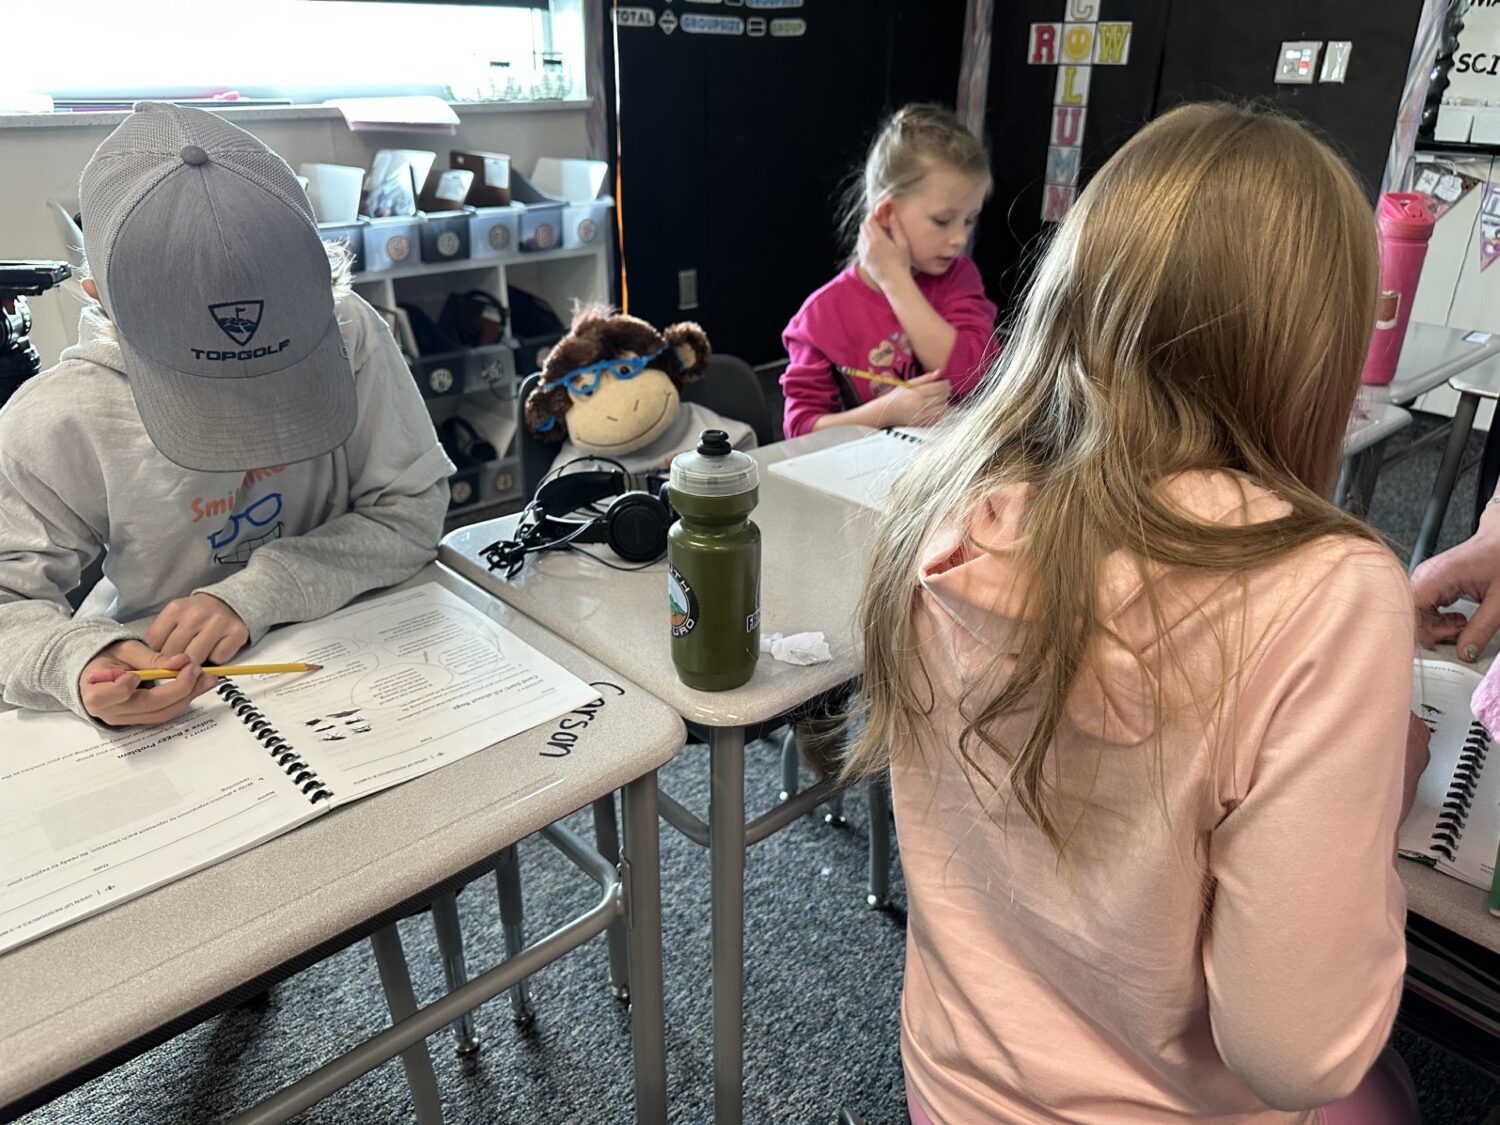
89	991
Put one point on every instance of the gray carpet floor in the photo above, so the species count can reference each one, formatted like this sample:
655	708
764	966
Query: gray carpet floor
822	981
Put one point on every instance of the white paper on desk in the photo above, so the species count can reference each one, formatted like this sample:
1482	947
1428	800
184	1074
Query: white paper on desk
410	682
861	471
90	818
417	113
1454	822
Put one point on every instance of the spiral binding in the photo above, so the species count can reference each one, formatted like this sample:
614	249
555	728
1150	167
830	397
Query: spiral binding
905	437
1460	799
302	774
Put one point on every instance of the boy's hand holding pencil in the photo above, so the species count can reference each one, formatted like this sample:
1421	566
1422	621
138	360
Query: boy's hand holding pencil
110	685
201	626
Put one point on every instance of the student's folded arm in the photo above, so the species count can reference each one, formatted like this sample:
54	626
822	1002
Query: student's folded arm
44	547
807	386
398	498
972	316
1305	949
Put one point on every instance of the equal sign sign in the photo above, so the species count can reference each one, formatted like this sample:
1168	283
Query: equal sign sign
1075	47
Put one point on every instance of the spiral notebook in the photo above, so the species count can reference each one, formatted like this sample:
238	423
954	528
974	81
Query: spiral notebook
860	471
410	682
1454	823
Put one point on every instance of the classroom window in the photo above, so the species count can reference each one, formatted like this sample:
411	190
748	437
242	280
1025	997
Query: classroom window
106	54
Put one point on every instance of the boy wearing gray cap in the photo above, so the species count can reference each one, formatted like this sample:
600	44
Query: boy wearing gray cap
234	429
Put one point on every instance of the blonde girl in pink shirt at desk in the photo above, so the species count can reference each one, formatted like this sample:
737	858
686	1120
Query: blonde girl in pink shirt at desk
1142	688
906	324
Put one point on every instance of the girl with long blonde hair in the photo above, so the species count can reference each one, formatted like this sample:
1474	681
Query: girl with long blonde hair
1142	688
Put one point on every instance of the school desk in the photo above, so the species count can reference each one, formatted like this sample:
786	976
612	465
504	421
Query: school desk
1452	939
813	547
1451	902
84	999
1475	382
1430	355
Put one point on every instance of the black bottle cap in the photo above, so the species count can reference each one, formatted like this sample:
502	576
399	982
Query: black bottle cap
714	443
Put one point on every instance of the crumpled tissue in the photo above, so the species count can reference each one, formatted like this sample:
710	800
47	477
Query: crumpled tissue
798	648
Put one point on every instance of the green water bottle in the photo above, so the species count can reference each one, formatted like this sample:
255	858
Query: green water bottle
713	565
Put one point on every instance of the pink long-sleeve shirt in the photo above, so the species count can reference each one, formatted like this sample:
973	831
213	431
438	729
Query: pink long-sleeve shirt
1230	946
848	324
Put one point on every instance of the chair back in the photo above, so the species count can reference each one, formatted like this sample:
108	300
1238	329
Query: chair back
731	388
534	457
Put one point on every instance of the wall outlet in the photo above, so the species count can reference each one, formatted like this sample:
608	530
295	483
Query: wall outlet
1297	61
687	289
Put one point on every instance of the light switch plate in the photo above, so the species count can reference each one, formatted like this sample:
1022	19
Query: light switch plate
1296	63
1335	60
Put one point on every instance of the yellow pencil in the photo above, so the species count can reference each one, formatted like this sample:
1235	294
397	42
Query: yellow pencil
873	376
232	670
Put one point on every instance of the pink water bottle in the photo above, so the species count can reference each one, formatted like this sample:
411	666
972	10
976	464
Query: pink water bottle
1405	226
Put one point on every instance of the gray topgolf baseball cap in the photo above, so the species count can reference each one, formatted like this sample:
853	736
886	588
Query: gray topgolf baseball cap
206	257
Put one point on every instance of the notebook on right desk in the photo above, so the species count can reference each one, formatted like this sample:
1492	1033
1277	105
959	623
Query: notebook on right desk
860	471
1454	823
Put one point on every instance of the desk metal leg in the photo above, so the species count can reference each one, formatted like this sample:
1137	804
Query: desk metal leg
640	869
1442	488
508	884
833	812
879	895
396	980
789	763
607	841
726	824
1489	471
450	939
1357	479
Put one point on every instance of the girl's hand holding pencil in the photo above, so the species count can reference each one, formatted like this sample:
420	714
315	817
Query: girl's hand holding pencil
872	376
914	402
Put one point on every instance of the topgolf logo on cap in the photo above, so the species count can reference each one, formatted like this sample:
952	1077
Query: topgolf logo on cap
238	319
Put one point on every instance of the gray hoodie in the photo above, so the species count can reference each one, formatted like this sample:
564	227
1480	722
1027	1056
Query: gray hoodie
277	543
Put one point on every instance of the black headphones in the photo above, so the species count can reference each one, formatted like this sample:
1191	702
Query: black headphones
634	526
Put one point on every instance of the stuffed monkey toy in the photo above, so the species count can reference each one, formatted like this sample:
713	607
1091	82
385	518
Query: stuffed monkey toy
612	385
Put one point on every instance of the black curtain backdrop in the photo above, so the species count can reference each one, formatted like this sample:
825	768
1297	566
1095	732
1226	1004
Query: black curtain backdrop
734	148
1180	50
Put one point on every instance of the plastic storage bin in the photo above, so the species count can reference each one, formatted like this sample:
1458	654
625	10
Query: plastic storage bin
585	224
531	351
444	236
495	232
493	366
541	227
352	235
392	242
439	376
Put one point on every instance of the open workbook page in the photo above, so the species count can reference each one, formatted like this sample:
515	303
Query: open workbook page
862	471
410	681
89	818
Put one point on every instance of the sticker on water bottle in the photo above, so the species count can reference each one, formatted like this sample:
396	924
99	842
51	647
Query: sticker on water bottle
683	603
1387	308
752	622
